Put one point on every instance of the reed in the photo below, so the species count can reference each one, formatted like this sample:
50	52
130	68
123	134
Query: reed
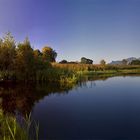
10	129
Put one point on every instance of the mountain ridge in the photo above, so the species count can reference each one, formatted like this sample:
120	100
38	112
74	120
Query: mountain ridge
120	62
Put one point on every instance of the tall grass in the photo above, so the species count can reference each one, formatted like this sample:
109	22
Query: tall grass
11	130
80	70
57	74
69	73
94	67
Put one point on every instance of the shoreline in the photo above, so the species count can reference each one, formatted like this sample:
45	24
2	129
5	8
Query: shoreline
76	77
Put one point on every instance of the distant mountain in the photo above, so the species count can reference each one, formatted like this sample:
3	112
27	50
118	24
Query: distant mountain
119	62
129	60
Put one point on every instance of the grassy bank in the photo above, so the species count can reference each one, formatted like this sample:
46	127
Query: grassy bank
52	74
111	72
97	70
69	73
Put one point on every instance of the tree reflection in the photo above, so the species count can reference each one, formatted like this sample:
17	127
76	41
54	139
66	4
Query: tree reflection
22	97
15	97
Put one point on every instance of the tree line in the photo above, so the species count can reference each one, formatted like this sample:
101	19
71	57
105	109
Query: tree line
84	60
21	61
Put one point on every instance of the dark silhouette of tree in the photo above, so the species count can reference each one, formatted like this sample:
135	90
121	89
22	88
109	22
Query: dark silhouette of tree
102	62
124	62
86	60
135	62
63	62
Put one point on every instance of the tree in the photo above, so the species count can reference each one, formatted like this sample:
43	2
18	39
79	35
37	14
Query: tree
86	61
48	54
7	52
63	62
25	58
39	63
135	62
124	62
102	62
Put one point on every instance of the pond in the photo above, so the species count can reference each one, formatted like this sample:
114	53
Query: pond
107	108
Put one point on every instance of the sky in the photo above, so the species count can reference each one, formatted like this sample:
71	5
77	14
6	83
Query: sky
96	29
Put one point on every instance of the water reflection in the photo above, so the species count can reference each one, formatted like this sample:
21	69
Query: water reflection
21	98
103	106
18	97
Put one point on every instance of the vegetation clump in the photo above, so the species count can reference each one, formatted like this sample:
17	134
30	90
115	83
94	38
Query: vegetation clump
135	62
86	60
102	62
10	129
22	63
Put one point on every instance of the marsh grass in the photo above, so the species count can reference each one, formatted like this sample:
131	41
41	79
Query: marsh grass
70	73
10	129
90	69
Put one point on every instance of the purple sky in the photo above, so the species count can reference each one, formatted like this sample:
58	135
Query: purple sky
97	29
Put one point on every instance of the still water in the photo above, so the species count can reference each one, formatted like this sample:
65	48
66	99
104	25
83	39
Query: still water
94	109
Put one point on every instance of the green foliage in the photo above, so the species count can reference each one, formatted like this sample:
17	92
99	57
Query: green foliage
10	129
